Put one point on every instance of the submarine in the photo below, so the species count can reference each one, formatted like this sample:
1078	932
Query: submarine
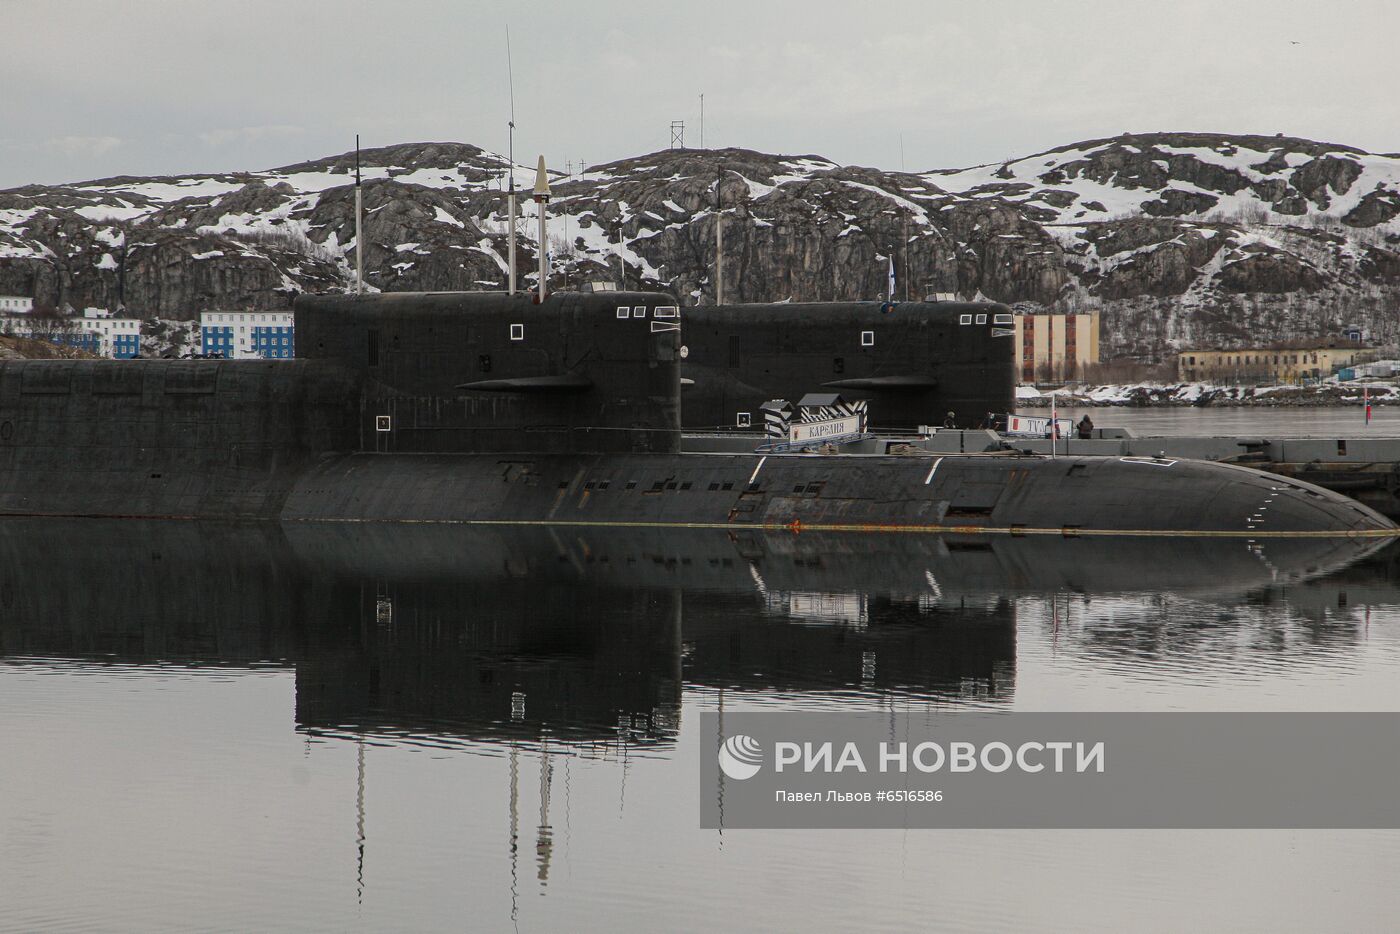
558	410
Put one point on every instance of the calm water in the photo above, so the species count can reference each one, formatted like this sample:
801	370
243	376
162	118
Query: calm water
247	728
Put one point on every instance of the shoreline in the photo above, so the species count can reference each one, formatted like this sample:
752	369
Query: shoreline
1208	395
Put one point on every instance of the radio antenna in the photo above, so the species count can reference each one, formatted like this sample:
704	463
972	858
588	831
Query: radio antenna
510	157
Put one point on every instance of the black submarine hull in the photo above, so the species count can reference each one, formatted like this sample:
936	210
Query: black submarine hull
484	408
973	493
1016	495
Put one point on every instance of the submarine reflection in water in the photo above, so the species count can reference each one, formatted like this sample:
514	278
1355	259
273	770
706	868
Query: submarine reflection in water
494	635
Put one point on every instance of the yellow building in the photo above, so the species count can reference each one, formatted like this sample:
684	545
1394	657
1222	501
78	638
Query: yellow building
1054	348
1282	363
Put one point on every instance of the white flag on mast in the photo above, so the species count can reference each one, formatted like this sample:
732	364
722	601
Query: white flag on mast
891	283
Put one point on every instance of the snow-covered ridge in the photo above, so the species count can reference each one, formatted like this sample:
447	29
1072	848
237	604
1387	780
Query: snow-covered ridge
1194	175
1177	239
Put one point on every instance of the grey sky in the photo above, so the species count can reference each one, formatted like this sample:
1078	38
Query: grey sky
90	88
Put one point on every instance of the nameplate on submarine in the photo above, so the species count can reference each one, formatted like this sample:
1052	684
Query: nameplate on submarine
830	429
1031	426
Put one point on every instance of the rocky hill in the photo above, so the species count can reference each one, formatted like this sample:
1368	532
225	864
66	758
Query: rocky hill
1175	238
23	348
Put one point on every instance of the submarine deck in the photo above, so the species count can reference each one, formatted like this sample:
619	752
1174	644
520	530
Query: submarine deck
1366	468
1006	494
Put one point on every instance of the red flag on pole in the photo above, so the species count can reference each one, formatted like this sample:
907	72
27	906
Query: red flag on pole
1366	398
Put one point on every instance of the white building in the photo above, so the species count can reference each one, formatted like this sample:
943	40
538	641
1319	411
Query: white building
96	331
117	337
15	305
239	334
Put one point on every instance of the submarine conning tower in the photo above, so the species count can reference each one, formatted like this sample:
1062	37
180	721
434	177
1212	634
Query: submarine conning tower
464	372
911	361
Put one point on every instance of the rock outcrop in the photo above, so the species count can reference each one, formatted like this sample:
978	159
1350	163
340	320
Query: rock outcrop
1175	238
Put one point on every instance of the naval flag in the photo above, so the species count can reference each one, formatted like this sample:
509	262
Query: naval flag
891	290
1366	399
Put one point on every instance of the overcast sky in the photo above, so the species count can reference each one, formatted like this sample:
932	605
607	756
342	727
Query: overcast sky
91	88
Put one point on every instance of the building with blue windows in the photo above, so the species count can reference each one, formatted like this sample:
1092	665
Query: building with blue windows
96	332
269	335
215	339
89	341
126	346
119	338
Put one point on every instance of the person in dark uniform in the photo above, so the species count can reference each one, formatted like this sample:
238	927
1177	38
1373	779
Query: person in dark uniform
990	422
950	421
1086	427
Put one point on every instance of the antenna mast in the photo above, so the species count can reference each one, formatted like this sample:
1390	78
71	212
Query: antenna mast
359	225
541	194
510	169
